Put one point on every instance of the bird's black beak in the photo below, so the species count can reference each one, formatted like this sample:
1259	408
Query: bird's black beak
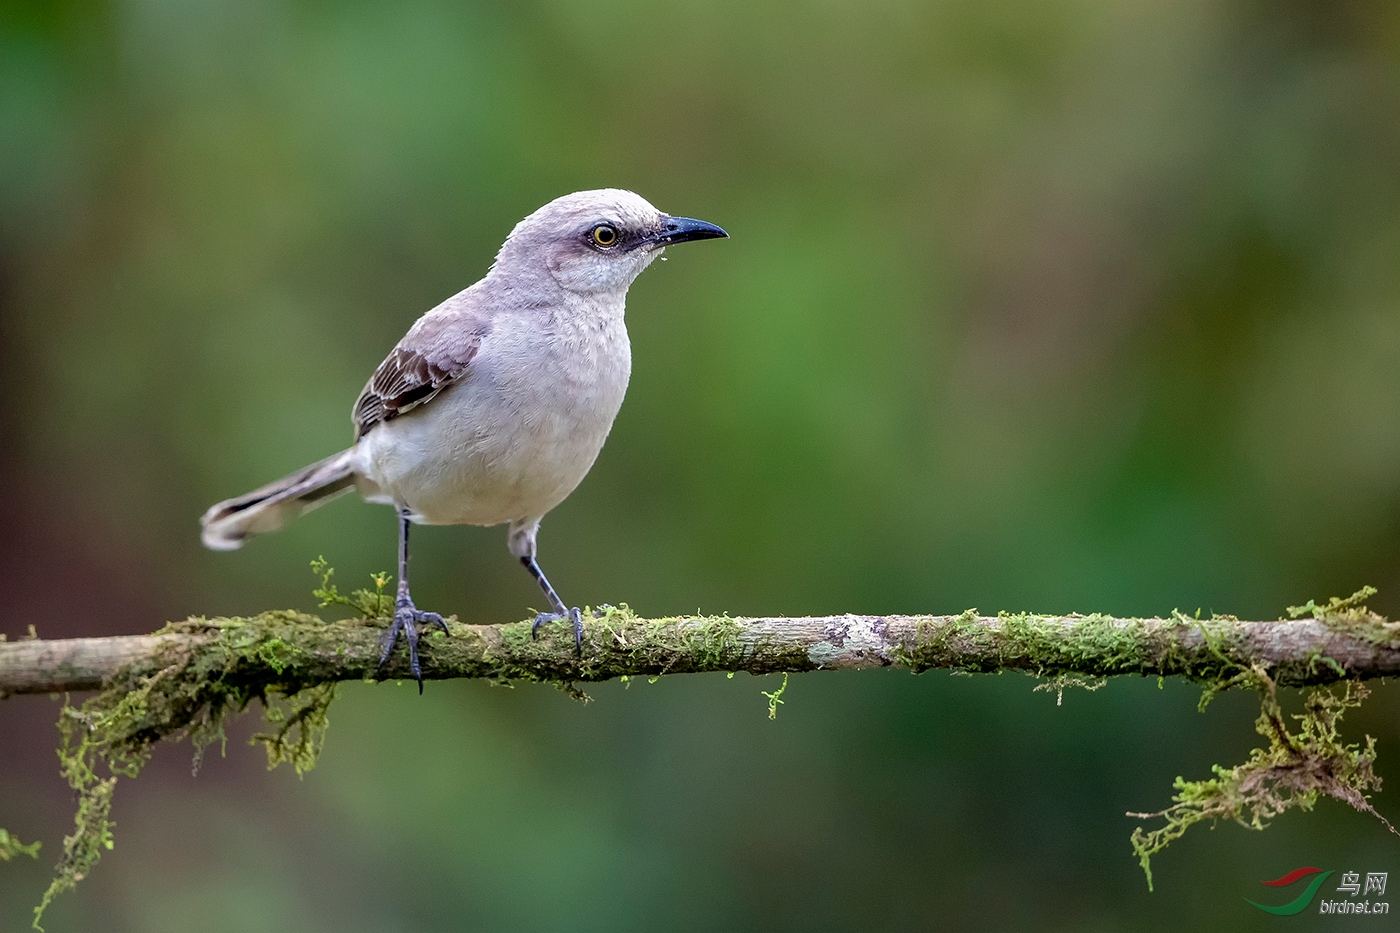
684	229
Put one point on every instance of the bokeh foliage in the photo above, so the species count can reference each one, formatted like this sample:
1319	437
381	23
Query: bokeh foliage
1072	306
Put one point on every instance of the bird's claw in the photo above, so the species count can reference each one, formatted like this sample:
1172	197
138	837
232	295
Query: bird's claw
408	618
574	615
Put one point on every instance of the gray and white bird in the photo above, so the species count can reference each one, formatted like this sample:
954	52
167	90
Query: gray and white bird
494	405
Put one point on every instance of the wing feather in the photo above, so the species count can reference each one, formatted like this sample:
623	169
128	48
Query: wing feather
436	352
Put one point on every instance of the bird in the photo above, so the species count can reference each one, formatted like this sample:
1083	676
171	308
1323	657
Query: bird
494	405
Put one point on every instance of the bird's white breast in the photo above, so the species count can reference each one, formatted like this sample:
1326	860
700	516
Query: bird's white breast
518	432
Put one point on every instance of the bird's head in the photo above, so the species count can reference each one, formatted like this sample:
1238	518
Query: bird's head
595	241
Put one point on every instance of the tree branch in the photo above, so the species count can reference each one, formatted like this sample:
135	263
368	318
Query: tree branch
293	651
185	679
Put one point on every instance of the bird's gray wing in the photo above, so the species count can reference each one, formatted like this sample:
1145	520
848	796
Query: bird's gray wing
436	352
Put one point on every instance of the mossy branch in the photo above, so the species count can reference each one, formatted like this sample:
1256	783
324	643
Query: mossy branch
292	650
183	680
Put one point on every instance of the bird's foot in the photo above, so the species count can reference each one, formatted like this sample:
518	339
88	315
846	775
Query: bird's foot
574	615
408	619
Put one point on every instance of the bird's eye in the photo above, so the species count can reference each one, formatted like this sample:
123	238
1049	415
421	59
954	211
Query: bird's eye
604	236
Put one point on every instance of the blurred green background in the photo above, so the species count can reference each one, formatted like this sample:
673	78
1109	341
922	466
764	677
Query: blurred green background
1073	306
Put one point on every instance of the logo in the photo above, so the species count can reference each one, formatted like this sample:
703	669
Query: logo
1304	898
1351	886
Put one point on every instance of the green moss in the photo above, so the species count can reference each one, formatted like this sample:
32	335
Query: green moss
374	602
111	735
621	640
616	640
189	694
1337	607
1349	615
775	697
940	642
1297	766
1293	770
300	724
1093	646
1059	683
1100	644
10	847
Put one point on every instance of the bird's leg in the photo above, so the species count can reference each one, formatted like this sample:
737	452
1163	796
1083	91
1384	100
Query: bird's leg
561	612
407	617
521	539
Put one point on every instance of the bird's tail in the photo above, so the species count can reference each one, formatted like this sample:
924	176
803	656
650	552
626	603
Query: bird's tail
227	524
